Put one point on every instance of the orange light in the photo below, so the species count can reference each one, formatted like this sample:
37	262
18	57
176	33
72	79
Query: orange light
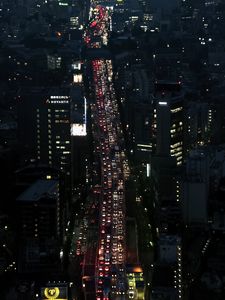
138	270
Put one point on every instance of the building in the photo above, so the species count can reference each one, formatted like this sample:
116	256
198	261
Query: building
167	272
166	6
135	279
54	61
196	125
168	120
44	116
79	127
40	220
53	129
39	208
195	189
44	126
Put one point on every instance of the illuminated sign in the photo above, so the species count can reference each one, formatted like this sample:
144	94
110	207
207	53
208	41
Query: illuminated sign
58	99
63	3
148	170
51	293
78	130
76	66
77	78
162	103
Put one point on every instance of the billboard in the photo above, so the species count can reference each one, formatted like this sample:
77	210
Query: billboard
76	65
77	78
54	292
78	130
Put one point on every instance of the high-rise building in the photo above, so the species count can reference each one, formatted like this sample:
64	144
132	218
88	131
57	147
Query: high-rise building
168	120
167	155
79	116
53	129
39	226
44	126
167	274
39	207
196	182
44	130
197	123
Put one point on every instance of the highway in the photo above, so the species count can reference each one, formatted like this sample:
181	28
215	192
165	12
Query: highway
110	261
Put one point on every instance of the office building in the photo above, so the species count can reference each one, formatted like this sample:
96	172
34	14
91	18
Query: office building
79	126
195	189
167	272
168	120
44	126
40	220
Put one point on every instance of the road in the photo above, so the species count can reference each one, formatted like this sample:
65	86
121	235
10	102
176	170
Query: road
110	262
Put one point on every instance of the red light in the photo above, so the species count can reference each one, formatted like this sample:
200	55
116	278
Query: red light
93	24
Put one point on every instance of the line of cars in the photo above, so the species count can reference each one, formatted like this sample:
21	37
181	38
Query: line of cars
111	249
110	276
96	33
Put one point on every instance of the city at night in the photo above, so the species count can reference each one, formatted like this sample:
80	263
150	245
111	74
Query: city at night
112	149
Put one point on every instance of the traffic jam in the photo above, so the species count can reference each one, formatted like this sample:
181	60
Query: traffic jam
110	273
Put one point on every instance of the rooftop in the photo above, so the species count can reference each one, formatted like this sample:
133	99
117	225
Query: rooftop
38	190
169	240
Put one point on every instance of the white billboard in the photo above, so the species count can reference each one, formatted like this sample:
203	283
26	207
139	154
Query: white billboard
77	78
78	130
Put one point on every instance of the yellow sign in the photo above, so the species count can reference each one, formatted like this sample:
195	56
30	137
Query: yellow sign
51	293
